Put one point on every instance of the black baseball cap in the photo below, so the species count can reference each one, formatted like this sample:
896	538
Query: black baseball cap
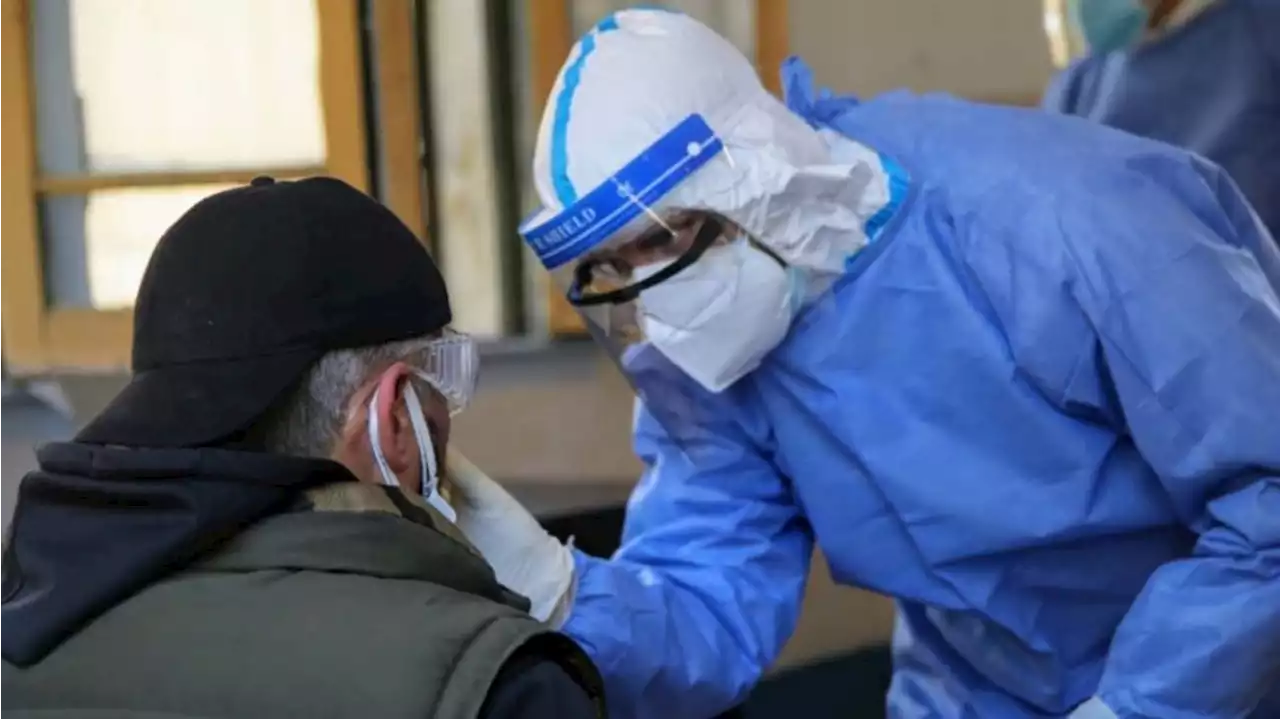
247	290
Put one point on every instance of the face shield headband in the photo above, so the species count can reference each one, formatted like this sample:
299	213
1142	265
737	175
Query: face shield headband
616	202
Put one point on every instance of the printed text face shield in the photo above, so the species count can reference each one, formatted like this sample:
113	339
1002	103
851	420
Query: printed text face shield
633	263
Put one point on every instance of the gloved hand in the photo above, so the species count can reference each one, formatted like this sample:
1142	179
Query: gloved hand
524	556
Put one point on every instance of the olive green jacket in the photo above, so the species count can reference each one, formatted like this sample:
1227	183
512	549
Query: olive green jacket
361	603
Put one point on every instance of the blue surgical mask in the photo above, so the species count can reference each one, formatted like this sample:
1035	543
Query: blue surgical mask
1110	25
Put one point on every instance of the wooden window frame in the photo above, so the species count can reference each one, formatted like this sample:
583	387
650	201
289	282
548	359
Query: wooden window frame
39	338
402	185
551	27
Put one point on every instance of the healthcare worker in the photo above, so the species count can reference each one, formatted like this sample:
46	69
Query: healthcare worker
1019	371
1199	74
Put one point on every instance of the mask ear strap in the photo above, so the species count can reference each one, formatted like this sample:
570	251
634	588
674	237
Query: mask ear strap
426	451
388	477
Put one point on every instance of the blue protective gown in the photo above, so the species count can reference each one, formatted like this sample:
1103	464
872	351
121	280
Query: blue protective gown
1212	86
1041	410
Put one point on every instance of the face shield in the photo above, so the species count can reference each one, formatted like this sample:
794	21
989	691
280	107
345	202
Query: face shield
672	273
685	281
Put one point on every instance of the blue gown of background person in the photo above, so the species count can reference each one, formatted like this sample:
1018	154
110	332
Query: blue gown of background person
1211	85
1040	409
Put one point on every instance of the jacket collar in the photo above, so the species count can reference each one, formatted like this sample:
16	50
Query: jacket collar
364	529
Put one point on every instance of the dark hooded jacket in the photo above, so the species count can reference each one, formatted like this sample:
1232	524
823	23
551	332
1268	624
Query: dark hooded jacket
212	582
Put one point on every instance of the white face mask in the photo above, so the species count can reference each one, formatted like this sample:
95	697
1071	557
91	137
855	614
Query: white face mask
426	451
719	317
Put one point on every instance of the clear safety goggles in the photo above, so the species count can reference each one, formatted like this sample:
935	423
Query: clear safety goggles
675	271
615	250
450	364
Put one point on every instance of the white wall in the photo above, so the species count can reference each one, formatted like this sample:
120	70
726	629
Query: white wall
983	49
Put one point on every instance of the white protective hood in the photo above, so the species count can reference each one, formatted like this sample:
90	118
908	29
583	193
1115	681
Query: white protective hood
638	73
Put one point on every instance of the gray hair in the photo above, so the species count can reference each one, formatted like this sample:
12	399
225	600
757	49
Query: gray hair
307	422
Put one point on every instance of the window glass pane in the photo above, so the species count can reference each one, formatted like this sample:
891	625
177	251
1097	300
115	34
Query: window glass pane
176	85
463	170
97	246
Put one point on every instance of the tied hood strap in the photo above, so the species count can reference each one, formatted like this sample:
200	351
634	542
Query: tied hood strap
818	106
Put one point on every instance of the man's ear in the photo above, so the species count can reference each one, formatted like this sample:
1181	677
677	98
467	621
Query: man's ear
395	431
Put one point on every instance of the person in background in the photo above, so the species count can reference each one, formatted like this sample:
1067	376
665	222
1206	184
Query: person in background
1200	74
255	526
1019	371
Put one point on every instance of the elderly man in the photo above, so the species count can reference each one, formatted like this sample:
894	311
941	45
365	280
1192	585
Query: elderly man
255	526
